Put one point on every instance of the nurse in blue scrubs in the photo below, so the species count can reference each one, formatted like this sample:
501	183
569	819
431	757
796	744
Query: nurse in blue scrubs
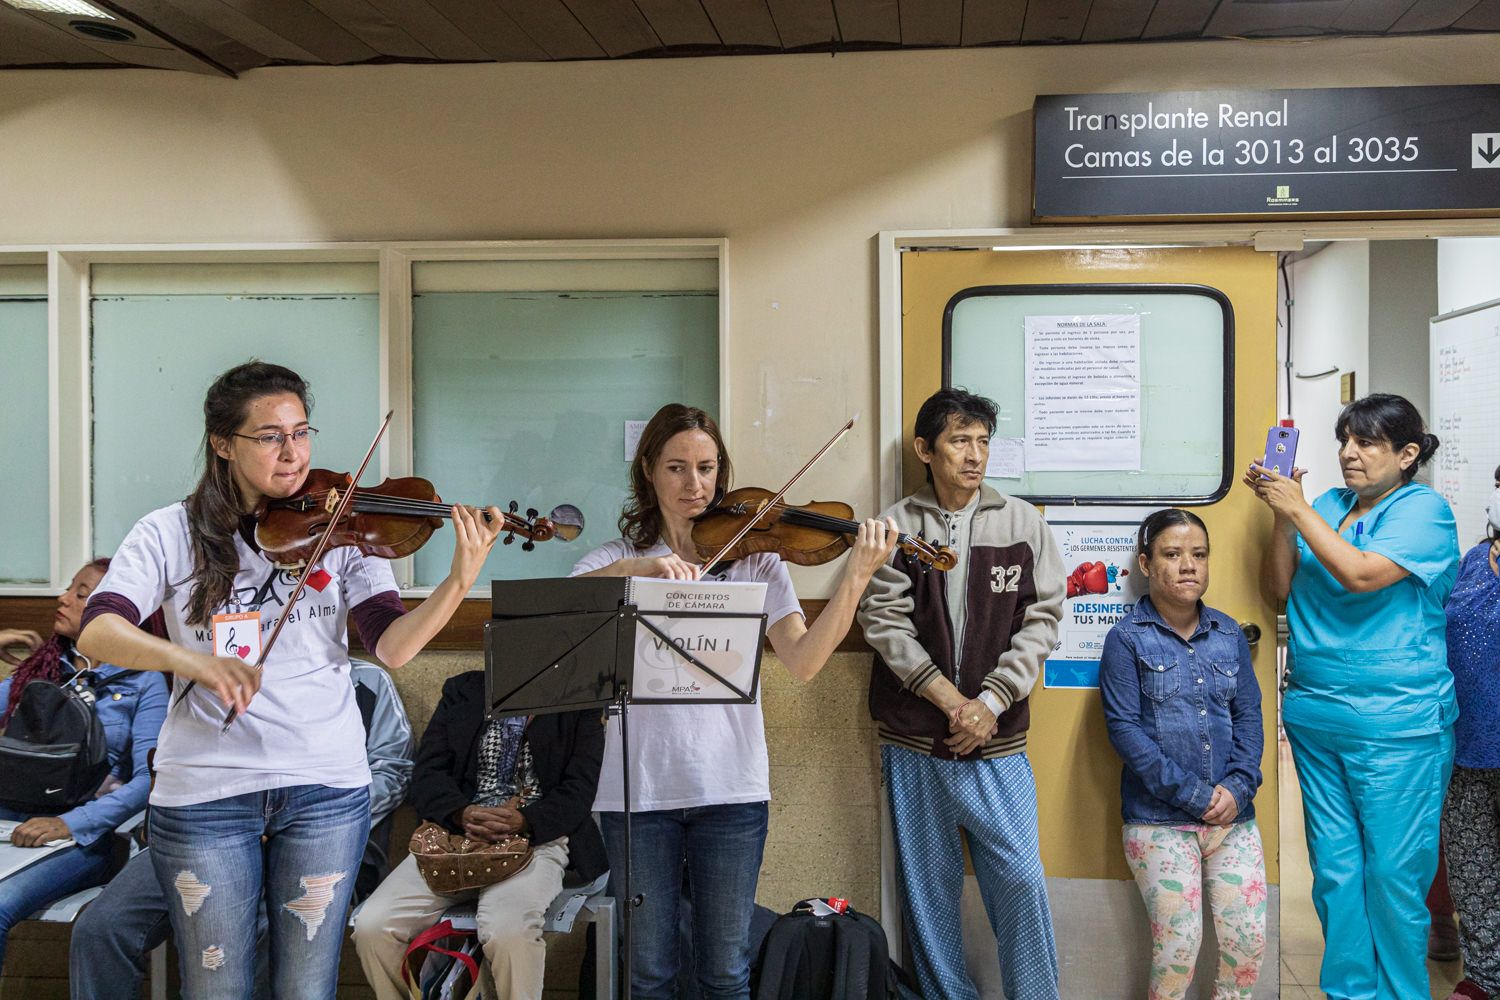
1370	705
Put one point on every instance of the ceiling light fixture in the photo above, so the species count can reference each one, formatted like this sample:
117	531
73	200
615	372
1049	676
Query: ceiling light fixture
74	7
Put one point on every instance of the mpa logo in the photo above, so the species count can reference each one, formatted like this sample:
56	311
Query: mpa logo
1283	197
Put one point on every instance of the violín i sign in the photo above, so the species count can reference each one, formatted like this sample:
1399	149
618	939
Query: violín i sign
1367	152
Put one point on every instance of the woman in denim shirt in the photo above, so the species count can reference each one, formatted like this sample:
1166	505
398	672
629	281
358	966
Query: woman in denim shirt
131	710
1183	710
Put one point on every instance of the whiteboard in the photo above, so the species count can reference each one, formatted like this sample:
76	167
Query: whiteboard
1186	384
1464	369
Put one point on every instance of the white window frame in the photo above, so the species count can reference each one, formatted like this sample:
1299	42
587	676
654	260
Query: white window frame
69	422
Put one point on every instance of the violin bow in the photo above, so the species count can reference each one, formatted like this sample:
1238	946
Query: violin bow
771	503
318	550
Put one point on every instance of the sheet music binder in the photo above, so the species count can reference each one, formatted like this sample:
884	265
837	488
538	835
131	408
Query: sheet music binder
559	645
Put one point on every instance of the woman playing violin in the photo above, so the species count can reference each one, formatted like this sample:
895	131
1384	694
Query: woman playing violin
700	778
275	806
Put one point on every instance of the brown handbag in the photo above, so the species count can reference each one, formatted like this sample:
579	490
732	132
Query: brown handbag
451	862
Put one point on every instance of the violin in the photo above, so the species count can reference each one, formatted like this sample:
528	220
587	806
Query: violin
808	535
391	520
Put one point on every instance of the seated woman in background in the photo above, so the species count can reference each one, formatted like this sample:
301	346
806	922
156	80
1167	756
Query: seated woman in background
1183	709
131	706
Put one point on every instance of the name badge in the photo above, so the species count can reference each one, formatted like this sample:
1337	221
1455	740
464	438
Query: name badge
238	635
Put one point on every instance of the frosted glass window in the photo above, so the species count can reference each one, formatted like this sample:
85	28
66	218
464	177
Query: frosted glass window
156	352
525	395
1186	383
24	450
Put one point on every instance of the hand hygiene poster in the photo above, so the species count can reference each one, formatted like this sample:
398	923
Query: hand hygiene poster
1083	393
1103	583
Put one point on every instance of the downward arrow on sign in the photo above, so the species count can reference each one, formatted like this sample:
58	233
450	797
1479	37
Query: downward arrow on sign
1489	150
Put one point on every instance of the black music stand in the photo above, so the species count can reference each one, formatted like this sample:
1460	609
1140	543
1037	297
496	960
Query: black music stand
560	645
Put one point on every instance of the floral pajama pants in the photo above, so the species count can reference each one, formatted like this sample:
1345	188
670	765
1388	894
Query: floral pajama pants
1175	867
1471	833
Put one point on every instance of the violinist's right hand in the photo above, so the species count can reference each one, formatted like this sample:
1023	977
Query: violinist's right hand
668	567
232	679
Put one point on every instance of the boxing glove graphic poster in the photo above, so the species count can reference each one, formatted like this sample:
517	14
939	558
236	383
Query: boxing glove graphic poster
1097	545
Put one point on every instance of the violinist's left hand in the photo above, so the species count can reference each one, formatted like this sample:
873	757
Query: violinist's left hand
40	830
473	538
872	549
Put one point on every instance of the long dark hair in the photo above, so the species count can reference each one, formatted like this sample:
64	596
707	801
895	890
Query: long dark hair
213	508
1153	526
640	521
44	663
1381	416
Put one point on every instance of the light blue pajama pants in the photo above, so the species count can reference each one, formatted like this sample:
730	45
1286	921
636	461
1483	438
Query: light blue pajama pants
994	803
1372	808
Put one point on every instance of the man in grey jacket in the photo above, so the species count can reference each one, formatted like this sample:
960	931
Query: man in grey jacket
957	655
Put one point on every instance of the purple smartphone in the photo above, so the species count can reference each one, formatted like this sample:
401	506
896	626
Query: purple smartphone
1281	449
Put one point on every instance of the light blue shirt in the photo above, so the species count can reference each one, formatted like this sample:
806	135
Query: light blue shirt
1375	663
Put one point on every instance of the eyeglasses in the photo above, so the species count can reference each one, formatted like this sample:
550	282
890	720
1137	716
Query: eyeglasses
274	440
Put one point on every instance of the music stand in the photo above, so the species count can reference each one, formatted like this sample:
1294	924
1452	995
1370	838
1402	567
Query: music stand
560	645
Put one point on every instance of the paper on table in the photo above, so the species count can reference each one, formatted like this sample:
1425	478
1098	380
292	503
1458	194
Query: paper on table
13	858
1007	458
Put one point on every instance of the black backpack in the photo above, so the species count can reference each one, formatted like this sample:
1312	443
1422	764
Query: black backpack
839	956
54	755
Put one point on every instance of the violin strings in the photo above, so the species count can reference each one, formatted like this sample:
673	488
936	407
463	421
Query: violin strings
375	502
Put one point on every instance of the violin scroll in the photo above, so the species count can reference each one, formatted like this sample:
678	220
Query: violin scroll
565	522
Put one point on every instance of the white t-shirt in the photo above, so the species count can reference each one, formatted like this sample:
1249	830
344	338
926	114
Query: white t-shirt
682	756
303	726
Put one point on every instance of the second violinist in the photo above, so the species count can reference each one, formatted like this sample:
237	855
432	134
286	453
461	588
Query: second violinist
275	807
700	775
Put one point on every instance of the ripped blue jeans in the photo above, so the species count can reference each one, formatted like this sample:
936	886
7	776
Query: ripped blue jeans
299	847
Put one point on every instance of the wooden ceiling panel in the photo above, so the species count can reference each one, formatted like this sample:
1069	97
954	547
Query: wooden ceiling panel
1370	16
494	29
679	23
998	22
1179	18
1258	19
372	26
227	19
1055	21
1484	17
1432	15
932	22
171	21
618	27
804	24
870	22
22	33
306	27
743	23
1117	20
435	32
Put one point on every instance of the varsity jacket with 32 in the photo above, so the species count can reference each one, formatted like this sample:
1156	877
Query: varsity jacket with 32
1014	587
